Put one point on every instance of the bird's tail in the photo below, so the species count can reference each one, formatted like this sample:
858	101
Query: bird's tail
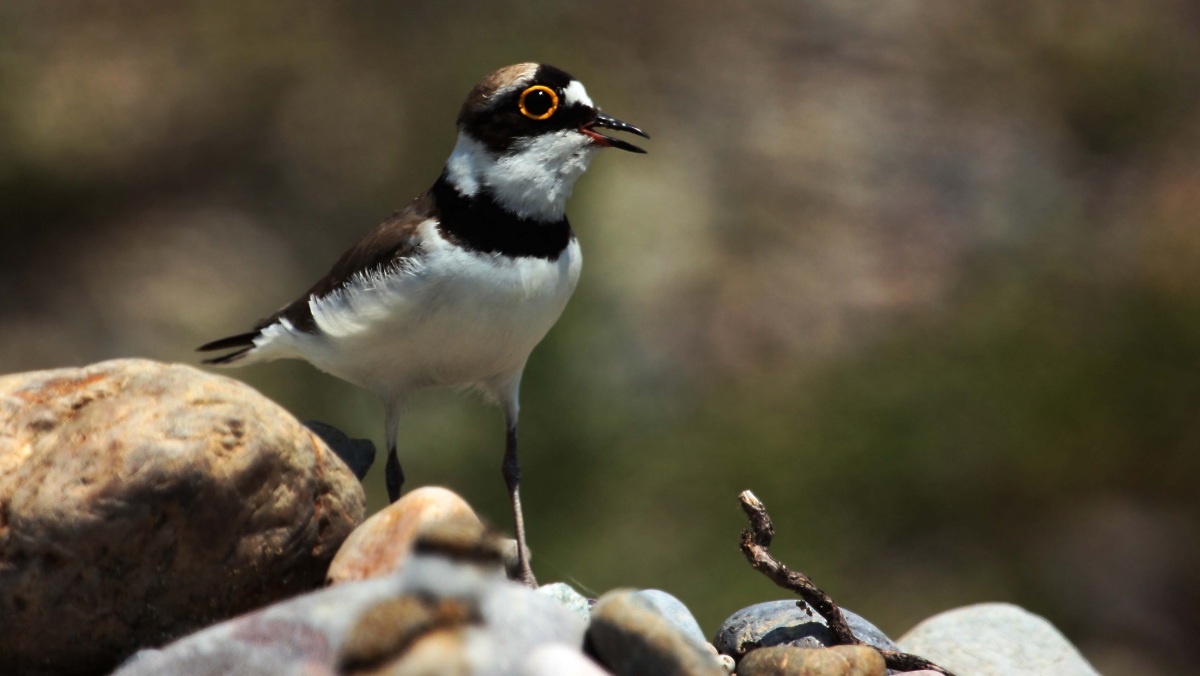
243	341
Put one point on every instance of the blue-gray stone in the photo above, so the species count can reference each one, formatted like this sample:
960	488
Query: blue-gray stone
358	454
675	612
786	623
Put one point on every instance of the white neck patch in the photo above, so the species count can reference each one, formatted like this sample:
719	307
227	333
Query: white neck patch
533	180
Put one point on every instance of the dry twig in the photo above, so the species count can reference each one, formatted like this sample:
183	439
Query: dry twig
756	542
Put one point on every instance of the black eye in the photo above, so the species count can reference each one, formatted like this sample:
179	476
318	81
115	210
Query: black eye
538	102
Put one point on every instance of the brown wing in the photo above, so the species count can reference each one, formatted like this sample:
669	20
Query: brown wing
388	244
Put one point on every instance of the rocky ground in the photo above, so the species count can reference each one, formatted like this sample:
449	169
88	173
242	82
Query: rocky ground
143	505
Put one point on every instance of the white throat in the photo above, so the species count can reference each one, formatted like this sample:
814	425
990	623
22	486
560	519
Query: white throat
533	180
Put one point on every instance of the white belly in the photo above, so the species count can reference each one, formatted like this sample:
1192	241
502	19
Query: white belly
456	318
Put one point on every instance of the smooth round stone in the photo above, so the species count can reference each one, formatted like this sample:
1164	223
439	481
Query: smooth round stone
784	660
629	637
785	623
675	612
383	542
990	639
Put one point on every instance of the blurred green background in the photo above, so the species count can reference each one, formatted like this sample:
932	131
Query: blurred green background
925	276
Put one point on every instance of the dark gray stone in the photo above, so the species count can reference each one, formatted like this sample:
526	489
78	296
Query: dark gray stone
675	612
358	454
785	623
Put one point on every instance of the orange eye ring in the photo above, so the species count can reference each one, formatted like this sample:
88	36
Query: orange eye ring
538	88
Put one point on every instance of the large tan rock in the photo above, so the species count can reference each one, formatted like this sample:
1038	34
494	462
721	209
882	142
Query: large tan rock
141	501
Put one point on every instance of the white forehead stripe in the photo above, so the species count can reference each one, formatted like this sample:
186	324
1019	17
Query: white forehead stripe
575	93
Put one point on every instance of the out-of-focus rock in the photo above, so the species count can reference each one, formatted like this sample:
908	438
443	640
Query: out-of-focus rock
421	629
629	637
383	542
140	501
358	454
438	615
555	659
992	639
786	660
440	652
785	623
299	636
566	595
675	612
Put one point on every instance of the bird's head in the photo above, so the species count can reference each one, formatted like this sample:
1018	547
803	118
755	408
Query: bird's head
525	134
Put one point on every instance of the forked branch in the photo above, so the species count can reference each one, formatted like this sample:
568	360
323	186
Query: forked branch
756	543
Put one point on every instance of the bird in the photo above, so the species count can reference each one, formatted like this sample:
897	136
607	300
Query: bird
457	288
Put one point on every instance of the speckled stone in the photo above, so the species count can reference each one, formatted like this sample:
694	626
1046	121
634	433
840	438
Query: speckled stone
566	595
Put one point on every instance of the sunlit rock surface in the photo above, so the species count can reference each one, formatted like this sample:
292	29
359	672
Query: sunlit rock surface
141	501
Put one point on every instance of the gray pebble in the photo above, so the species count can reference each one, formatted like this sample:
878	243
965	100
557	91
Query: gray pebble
675	612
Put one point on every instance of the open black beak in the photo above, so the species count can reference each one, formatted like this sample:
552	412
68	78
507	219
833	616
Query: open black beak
613	123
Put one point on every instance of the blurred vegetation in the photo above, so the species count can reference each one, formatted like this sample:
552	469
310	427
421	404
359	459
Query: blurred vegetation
925	276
